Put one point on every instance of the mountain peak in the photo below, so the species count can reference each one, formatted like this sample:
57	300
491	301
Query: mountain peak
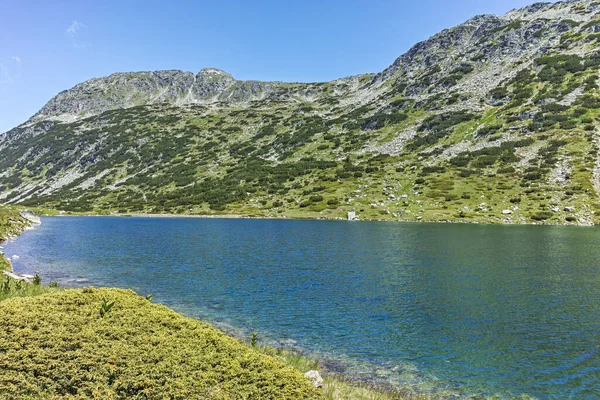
214	72
211	82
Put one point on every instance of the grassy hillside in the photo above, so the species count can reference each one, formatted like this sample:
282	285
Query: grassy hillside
11	223
495	120
60	346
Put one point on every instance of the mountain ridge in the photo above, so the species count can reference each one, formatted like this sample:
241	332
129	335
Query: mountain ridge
205	95
475	107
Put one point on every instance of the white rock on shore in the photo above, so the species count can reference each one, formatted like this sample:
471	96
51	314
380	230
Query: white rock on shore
315	378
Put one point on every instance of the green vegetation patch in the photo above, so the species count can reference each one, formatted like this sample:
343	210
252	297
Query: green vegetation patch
60	345
437	127
11	222
555	68
10	288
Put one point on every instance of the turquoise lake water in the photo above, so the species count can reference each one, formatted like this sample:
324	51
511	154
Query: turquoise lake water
505	310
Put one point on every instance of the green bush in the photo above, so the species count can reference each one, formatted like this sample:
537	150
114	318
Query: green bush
556	67
55	346
542	215
316	199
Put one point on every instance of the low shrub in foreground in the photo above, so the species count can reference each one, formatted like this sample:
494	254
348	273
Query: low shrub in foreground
58	346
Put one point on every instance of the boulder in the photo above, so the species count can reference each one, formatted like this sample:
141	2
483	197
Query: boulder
315	378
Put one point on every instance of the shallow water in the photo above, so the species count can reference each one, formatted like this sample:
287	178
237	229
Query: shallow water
503	310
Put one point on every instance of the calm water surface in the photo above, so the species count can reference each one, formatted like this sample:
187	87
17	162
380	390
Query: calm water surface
484	309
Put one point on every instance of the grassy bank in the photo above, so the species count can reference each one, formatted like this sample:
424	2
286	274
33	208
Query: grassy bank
337	387
10	288
61	345
11	223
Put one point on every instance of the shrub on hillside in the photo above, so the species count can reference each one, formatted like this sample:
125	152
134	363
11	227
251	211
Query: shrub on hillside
139	350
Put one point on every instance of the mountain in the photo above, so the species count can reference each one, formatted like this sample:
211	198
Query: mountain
494	120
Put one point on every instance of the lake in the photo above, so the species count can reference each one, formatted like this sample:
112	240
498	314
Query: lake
504	310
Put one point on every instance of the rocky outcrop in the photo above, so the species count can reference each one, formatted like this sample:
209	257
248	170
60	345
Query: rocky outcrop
210	82
30	216
130	89
119	90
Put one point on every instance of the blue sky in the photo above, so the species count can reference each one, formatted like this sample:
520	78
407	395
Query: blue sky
49	46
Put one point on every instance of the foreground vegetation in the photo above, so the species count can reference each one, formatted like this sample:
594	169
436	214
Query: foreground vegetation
11	288
114	344
61	345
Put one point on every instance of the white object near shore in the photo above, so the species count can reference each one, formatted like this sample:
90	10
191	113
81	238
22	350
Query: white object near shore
16	277
315	378
351	215
15	257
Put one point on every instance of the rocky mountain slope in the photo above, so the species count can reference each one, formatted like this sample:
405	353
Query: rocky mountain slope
495	120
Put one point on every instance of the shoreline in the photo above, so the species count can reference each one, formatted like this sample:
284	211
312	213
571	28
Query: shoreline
284	218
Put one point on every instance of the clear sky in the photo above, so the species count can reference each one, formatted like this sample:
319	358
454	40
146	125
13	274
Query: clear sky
49	46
